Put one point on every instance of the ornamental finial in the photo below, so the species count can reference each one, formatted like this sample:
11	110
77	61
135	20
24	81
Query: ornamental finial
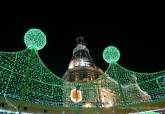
80	40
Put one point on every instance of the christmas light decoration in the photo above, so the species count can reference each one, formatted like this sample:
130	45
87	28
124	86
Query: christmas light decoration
24	77
111	54
35	39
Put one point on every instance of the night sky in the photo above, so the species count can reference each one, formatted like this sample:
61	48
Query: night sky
141	44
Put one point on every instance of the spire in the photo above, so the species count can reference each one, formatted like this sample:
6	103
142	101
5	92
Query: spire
81	56
81	67
80	40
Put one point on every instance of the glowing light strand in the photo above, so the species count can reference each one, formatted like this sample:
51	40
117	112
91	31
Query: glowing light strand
32	81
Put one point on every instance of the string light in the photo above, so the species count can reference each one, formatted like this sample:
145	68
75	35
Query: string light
32	81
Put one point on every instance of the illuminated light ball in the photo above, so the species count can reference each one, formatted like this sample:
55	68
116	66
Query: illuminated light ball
35	39
111	54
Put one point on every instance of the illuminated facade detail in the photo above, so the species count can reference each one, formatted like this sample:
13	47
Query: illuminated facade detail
76	95
88	105
24	78
108	98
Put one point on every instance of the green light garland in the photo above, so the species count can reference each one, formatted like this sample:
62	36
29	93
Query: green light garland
23	76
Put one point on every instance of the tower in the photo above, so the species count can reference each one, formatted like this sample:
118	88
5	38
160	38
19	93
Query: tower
81	67
81	70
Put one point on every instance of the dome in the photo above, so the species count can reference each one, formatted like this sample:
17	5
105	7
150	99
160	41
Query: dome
81	67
